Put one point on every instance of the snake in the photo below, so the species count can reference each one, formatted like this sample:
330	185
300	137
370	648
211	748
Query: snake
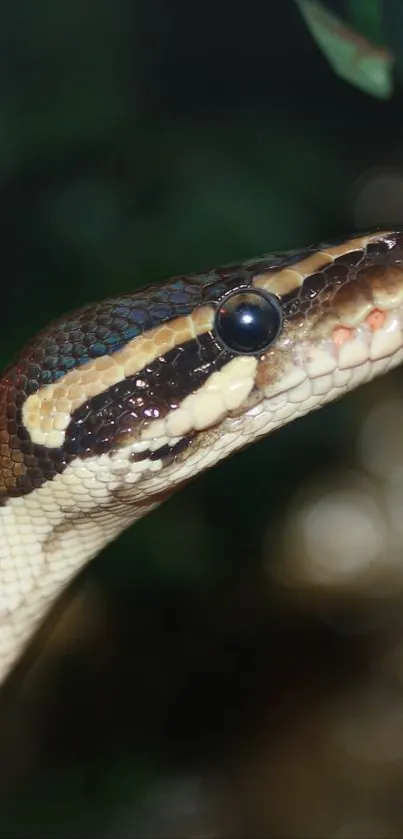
113	407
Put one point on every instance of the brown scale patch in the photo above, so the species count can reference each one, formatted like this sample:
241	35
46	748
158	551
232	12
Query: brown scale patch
271	370
23	471
71	523
372	286
386	293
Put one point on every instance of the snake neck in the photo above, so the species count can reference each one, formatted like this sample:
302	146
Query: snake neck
40	554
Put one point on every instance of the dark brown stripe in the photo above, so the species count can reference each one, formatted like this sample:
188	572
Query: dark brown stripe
118	415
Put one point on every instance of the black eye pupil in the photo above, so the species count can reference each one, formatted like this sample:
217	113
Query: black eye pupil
248	322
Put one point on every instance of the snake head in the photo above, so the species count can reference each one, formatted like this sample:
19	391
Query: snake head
139	393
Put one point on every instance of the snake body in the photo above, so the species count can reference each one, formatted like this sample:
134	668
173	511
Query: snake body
113	407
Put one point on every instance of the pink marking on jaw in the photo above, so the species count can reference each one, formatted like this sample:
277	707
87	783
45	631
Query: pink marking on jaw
375	320
341	334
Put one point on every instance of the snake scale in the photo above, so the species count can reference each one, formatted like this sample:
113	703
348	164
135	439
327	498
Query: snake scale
113	407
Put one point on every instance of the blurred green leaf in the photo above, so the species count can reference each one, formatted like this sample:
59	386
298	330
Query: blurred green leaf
352	56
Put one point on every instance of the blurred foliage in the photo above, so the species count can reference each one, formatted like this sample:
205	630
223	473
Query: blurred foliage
352	55
139	140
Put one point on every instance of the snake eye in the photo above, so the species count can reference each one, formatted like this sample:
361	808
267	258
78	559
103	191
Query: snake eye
248	321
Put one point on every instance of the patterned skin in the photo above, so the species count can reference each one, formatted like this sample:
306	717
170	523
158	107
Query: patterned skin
111	408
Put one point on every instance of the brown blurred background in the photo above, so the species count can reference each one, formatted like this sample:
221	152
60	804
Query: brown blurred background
233	665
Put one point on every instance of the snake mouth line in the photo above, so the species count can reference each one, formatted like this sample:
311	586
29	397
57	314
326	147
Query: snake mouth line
161	449
377	338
